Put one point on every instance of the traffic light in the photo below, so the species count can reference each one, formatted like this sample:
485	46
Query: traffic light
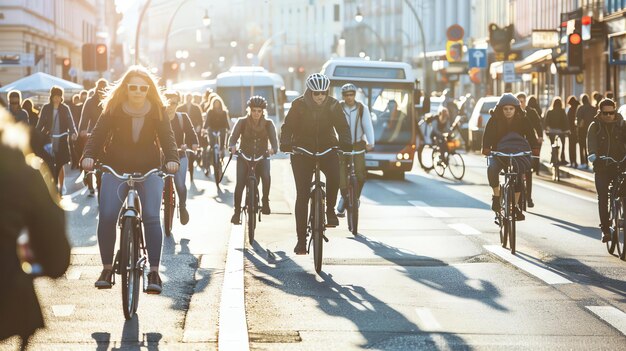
575	51
170	70
102	58
500	38
585	28
89	57
67	64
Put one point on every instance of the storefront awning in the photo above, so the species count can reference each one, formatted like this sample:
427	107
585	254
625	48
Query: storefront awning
533	60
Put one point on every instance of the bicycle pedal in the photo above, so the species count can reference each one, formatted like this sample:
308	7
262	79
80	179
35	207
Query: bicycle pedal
325	238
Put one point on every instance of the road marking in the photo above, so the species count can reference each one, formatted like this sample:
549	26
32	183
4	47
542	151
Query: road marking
394	190
431	211
233	328
63	310
538	271
464	229
427	319
611	315
553	188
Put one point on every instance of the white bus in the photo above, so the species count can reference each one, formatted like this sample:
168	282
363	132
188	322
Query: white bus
388	90
237	85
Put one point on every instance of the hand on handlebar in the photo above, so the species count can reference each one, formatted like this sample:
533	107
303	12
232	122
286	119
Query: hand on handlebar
194	147
369	147
87	164
171	167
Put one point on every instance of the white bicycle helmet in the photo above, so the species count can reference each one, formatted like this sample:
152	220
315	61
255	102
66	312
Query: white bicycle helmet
347	88
317	82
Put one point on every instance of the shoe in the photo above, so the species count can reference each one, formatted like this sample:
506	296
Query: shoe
265	208
236	218
184	215
331	219
341	209
606	234
106	279
530	203
495	203
519	215
300	248
92	193
155	285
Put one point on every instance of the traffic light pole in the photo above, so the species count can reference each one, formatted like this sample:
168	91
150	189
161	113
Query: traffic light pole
169	28
139	21
424	65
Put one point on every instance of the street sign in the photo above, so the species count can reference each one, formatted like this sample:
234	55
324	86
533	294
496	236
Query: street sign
16	59
544	39
477	58
73	72
455	32
508	72
454	51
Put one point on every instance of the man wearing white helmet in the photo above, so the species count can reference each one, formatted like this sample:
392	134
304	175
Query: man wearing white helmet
313	123
362	132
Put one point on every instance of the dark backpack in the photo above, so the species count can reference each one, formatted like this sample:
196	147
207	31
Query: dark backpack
513	143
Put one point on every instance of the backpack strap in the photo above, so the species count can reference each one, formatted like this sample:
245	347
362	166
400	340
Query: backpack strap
359	120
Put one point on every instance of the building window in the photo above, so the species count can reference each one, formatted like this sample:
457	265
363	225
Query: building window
336	12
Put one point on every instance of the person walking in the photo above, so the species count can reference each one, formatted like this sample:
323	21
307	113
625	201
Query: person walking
33	114
136	130
571	122
15	107
535	121
556	120
585	114
55	120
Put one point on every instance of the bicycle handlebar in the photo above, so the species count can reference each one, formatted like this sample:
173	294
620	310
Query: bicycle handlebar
317	154
250	159
353	153
498	153
557	132
608	158
128	176
59	135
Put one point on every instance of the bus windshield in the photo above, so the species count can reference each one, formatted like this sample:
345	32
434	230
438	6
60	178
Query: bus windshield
389	108
236	98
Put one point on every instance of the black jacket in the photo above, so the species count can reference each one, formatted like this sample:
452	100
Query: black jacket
254	140
216	120
556	119
606	139
497	127
184	134
92	109
535	121
315	129
194	111
112	142
28	201
45	126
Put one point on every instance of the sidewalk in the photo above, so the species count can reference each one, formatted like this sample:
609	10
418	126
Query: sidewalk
579	178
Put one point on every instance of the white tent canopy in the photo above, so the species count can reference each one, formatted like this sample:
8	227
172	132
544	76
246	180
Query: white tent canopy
38	83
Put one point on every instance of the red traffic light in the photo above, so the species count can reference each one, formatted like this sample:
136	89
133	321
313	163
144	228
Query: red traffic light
586	20
575	39
174	66
301	69
101	49
67	62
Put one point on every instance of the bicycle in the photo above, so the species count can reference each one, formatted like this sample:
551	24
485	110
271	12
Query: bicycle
169	199
317	220
558	134
352	200
445	157
505	218
422	151
130	259
215	155
252	207
617	203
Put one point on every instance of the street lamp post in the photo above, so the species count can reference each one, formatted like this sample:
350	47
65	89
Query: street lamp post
359	18
419	24
138	31
206	20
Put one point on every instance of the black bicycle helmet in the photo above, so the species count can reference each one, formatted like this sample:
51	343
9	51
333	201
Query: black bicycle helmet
257	101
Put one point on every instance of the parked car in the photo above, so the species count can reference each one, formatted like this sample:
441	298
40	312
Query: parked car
478	120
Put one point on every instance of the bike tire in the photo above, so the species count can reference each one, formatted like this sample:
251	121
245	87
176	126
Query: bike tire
504	224
190	158
615	213
252	210
426	156
511	218
128	271
456	165
318	230
439	164
217	168
619	233
169	206
353	215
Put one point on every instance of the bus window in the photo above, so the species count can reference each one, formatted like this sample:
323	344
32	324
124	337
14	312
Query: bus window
391	116
236	99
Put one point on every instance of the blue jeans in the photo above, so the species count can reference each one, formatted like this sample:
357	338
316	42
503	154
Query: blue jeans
112	195
179	181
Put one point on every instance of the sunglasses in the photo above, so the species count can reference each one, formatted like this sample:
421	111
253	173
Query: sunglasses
608	113
349	94
135	87
318	93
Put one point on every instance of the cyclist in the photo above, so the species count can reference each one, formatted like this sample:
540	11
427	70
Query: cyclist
185	135
507	128
217	120
92	109
535	122
194	111
133	119
606	137
362	132
313	122
255	131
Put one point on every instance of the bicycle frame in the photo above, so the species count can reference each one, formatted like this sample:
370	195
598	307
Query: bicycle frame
252	192
617	202
353	195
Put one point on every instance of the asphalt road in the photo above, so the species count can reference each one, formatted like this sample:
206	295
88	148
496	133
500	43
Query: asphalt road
426	272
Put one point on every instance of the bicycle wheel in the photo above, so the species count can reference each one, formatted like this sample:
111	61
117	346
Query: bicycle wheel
353	209
619	234
511	217
318	229
191	158
439	163
504	223
217	167
425	157
206	161
169	205
456	165
615	213
252	209
128	270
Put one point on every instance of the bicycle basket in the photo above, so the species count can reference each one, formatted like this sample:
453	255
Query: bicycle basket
453	144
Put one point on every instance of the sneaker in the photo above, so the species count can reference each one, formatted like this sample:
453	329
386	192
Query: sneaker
155	285
495	203
530	203
184	215
341	210
606	234
519	215
331	219
92	193
106	279
236	218
300	248
265	208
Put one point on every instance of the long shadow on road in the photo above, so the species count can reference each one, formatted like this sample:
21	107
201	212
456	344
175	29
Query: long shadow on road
383	327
